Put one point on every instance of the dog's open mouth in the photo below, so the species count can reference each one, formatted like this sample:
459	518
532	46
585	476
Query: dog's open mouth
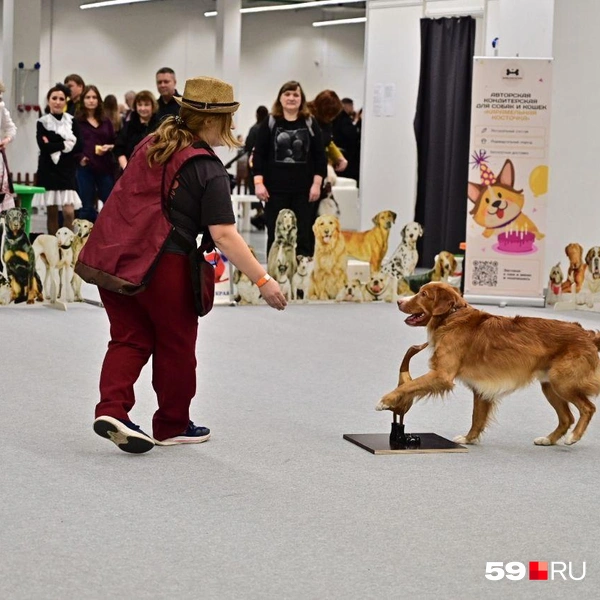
416	320
327	238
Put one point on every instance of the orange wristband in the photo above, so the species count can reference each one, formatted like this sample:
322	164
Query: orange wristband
266	277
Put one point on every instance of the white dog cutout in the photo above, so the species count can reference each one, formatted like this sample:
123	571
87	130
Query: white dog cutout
56	253
404	260
82	229
301	279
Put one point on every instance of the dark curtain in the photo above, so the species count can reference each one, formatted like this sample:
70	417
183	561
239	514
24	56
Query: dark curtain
442	129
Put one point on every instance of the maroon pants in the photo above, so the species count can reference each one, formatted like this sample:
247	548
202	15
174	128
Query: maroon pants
158	322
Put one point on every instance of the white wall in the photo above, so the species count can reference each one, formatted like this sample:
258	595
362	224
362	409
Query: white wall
574	214
525	28
22	152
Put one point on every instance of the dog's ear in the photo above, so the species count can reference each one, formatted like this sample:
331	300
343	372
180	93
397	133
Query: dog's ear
437	268
445	300
24	212
589	255
299	257
403	232
394	215
421	230
474	191
507	174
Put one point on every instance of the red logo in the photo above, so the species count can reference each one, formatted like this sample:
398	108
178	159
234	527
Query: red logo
538	570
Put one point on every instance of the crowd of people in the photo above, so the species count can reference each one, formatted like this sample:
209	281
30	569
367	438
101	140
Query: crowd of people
85	142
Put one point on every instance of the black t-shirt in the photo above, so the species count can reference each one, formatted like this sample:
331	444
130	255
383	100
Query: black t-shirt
166	109
200	197
288	154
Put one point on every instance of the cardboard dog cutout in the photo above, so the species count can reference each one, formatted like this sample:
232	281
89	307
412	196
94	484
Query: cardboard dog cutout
371	245
580	288
498	208
18	260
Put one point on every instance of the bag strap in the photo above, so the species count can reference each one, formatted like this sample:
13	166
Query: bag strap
207	245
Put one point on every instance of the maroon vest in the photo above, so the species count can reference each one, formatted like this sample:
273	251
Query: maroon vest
133	226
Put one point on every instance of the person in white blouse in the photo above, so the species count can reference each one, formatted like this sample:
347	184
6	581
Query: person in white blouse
8	131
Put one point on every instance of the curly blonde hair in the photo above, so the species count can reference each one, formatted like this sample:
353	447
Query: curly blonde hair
171	137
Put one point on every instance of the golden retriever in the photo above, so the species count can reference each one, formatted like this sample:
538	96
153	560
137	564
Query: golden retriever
495	355
371	245
330	261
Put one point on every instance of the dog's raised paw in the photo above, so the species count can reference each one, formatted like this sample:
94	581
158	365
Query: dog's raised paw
542	441
570	440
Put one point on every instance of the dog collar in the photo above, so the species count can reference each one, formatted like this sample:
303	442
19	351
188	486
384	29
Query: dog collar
505	224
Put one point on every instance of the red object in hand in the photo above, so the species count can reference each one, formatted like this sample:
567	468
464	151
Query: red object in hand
28	107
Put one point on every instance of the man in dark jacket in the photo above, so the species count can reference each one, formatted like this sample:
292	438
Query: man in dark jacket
166	83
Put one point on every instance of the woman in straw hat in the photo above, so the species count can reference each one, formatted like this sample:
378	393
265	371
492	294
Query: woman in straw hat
174	187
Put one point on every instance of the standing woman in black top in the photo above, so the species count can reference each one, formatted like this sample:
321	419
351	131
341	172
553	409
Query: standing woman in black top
140	122
59	141
290	164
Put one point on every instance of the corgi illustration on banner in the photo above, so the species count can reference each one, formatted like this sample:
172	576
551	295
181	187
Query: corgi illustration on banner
498	208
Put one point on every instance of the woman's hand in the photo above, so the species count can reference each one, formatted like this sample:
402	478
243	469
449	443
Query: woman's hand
84	161
315	192
228	240
271	292
260	191
341	165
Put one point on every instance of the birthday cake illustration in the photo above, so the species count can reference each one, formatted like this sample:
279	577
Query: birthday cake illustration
516	241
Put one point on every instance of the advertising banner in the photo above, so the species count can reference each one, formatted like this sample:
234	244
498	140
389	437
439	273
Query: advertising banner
508	181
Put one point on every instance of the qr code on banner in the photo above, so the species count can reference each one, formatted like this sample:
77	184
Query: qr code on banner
485	273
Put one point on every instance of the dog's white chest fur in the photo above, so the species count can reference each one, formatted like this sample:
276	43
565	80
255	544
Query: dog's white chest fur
491	389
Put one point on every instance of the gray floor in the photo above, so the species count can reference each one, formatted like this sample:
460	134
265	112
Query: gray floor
277	505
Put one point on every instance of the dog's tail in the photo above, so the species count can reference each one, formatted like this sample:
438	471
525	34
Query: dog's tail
595	335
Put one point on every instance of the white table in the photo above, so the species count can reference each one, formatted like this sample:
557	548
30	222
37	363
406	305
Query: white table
242	207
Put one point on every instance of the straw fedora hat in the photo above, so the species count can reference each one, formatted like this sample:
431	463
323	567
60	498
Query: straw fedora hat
208	95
